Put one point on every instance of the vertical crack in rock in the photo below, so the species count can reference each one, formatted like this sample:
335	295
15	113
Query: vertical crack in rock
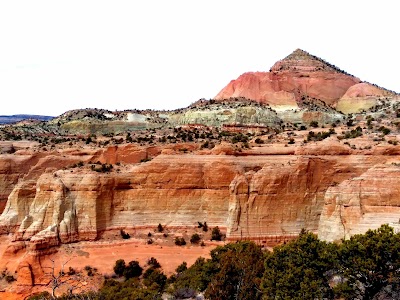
341	208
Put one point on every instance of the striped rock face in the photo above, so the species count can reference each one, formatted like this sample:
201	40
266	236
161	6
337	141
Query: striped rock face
297	76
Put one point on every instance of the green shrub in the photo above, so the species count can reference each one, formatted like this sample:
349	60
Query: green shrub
195	239
312	136
384	130
155	279
133	269
297	270
180	241
119	267
153	263
216	234
182	267
124	235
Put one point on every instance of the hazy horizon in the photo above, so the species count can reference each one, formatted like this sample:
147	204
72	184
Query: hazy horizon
57	56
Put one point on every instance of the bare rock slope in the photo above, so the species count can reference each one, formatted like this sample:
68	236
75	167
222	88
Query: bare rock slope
301	75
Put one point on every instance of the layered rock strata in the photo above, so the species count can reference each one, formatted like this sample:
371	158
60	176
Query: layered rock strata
361	203
244	194
300	75
258	195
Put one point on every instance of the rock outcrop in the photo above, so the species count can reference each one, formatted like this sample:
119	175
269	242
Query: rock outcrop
244	194
359	97
301	75
286	194
361	203
231	113
297	75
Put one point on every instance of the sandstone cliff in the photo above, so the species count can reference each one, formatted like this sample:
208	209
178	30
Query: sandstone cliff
244	194
361	203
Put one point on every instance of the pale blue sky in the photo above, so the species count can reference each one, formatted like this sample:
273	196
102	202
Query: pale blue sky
62	55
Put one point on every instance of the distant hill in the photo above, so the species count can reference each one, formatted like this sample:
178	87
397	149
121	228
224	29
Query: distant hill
302	78
18	118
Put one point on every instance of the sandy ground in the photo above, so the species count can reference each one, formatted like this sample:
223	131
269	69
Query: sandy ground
102	256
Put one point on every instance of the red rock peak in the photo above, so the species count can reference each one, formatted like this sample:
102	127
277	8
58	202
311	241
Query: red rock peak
298	74
300	60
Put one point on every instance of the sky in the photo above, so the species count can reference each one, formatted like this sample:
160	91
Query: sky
61	55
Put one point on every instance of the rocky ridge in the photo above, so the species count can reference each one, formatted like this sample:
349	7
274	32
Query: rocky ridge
301	75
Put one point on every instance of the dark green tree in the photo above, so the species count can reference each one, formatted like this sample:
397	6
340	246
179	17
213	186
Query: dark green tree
369	262
119	267
216	234
153	263
129	289
197	276
180	241
195	238
155	279
299	269
182	267
133	269
239	269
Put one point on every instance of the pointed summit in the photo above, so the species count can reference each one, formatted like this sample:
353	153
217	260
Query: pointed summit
302	61
299	54
298	75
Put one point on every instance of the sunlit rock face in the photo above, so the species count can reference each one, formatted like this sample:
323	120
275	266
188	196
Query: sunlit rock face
361	97
251	196
361	203
299	74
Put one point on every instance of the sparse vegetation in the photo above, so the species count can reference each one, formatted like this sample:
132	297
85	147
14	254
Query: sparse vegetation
119	267
259	141
384	130
180	241
181	268
312	136
195	239
366	266
124	235
216	234
102	168
204	226
354	133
